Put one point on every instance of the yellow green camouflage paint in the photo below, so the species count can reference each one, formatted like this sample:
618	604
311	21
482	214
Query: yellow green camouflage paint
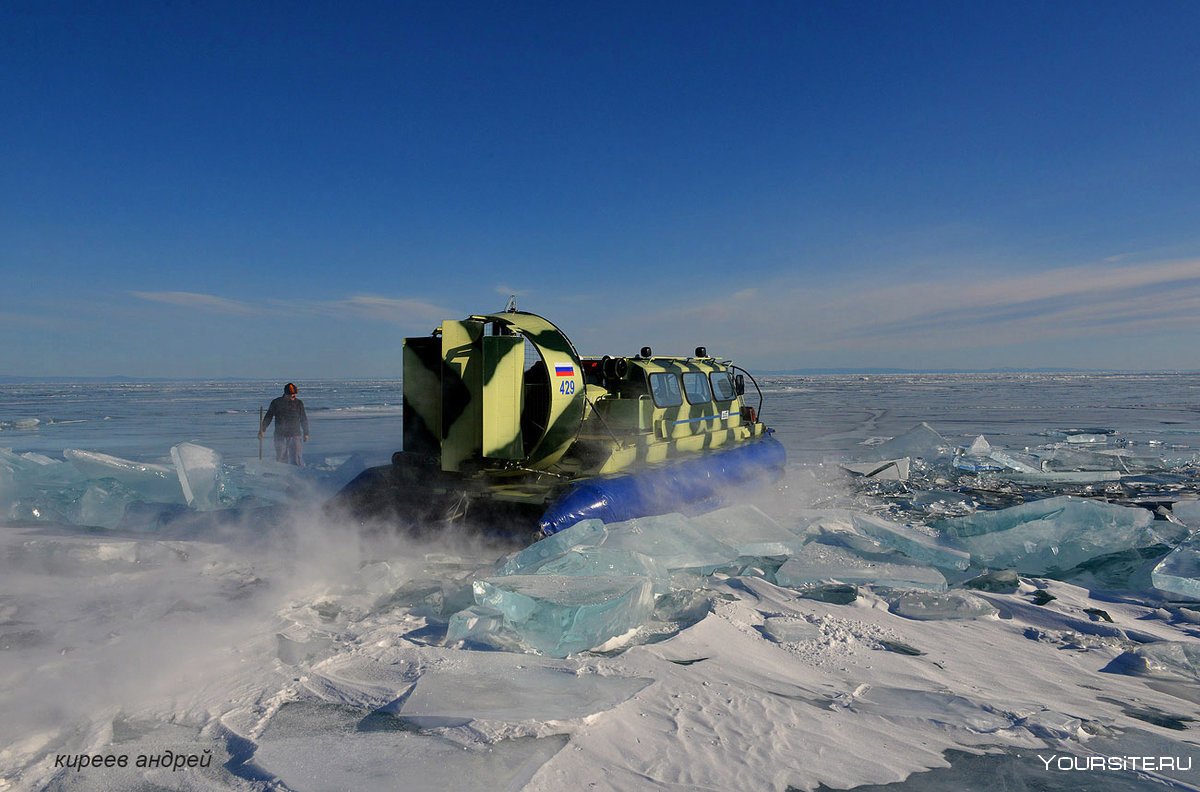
505	400
564	373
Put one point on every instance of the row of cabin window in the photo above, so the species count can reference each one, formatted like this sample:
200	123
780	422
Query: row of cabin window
699	387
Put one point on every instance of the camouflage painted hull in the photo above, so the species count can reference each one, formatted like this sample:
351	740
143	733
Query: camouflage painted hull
509	430
414	494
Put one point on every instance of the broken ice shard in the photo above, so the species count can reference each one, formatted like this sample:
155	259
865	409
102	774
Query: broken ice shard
1188	512
911	542
1056	534
302	646
1179	572
833	593
817	563
1087	439
1063	476
1066	458
255	480
982	457
197	468
976	457
997	581
22	462
586	533
504	688
36	487
154	482
607	562
277	482
921	441
749	531
883	470
976	465
560	615
979	447
479	624
1172	657
790	630
103	504
1052	725
28	479
943	503
869	534
40	507
1012	462
940	605
33	468
672	540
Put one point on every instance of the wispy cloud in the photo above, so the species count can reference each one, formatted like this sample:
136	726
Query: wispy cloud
998	307
947	315
1072	282
386	309
371	307
204	302
950	314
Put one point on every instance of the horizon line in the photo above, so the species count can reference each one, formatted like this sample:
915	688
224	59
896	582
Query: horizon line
14	379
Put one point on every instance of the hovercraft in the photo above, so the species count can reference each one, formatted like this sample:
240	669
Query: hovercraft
509	430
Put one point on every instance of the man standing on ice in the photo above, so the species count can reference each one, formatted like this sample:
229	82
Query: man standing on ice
291	424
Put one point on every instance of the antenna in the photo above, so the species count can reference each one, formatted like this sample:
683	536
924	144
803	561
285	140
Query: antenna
511	307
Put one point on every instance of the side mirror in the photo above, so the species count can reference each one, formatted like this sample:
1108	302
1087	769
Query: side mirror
739	384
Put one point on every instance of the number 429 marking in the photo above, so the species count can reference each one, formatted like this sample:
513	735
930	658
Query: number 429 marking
566	387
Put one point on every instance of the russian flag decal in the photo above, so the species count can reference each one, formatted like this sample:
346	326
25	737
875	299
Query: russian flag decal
564	370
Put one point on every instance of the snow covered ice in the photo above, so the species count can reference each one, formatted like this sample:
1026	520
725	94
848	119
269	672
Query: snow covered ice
536	689
833	632
377	755
927	605
783	628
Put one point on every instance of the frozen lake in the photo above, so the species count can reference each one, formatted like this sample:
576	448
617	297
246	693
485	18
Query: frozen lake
816	417
274	648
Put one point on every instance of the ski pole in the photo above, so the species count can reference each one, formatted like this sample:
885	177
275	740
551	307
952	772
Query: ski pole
260	433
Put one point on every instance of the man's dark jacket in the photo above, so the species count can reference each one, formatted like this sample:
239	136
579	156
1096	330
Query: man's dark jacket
289	415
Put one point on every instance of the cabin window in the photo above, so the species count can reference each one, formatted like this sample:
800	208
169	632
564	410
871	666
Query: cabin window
722	385
665	388
695	385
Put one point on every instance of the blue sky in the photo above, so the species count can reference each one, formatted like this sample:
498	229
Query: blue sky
288	189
